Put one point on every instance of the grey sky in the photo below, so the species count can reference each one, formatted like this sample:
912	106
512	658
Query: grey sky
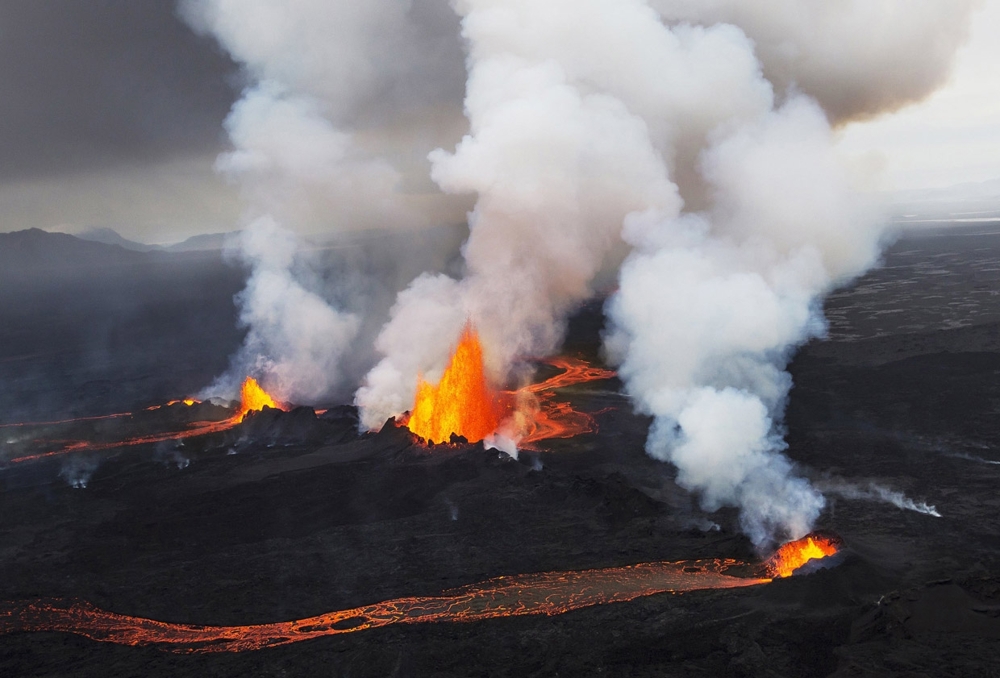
111	114
951	138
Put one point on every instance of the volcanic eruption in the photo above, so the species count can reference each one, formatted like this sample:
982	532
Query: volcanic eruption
793	555
462	403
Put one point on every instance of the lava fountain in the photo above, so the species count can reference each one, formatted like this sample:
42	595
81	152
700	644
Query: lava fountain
253	398
462	403
795	554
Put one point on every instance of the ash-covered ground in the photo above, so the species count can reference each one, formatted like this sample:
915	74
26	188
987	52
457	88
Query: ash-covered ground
292	515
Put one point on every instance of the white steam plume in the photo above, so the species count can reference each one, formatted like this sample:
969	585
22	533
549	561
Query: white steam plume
589	114
858	58
703	128
572	108
710	306
875	492
318	71
295	339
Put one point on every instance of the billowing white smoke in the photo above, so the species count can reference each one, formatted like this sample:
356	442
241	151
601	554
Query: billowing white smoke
317	70
701	126
873	491
556	170
710	306
579	111
572	108
858	58
295	340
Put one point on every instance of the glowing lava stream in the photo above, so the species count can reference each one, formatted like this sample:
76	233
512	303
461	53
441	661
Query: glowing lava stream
118	415
544	593
559	419
462	403
252	399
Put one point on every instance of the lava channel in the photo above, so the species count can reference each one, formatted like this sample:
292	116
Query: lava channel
558	419
546	593
118	415
253	398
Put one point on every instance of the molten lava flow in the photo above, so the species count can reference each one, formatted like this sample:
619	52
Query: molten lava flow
186	401
574	371
550	419
253	398
462	403
546	593
795	554
117	415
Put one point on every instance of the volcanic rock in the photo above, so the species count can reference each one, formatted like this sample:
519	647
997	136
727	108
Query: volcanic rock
307	515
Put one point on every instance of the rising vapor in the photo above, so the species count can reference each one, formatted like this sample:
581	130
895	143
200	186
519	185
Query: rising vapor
315	71
687	145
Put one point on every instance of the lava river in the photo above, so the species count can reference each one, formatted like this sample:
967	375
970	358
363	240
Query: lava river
545	593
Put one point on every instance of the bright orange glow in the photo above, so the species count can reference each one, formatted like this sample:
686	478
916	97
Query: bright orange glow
547	419
254	399
795	554
118	415
462	403
544	593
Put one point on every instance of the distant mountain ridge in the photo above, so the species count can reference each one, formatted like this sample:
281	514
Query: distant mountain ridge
206	241
109	236
199	243
38	249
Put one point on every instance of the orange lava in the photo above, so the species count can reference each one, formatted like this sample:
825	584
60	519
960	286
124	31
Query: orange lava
795	554
462	403
252	399
554	419
56	422
118	415
545	593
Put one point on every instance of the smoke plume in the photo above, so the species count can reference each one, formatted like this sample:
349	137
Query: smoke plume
318	75
857	59
295	339
719	160
686	145
873	491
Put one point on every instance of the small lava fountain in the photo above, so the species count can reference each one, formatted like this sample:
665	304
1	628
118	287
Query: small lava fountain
793	555
253	398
